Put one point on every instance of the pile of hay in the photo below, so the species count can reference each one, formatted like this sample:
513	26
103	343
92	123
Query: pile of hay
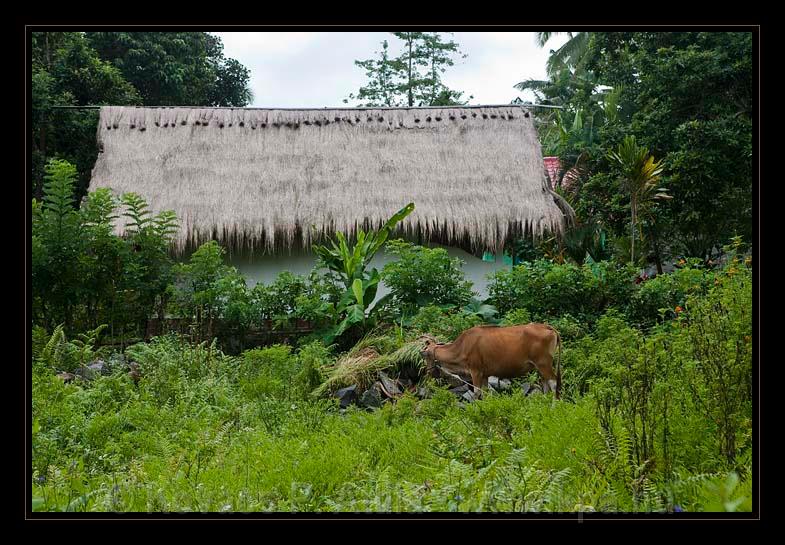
374	354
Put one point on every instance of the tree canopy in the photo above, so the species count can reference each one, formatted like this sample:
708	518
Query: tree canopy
685	96
414	78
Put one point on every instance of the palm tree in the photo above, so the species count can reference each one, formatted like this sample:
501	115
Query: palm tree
641	176
571	55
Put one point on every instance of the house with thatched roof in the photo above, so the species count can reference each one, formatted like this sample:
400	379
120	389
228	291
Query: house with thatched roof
267	183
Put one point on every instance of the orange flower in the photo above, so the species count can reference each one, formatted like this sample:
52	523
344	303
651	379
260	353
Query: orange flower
679	309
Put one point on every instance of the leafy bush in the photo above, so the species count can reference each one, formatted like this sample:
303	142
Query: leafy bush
568	327
423	276
268	372
517	316
659	297
548	290
442	324
718	342
279	298
312	357
82	273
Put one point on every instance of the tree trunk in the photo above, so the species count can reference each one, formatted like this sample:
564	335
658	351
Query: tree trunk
411	96
632	233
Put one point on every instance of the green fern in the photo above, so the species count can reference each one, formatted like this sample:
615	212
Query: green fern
51	355
165	225
59	182
136	211
99	208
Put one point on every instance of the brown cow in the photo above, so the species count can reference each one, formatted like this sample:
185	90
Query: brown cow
504	352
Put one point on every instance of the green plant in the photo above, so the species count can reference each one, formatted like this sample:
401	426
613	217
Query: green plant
517	316
424	276
475	307
441	323
350	264
547	290
719	341
641	176
569	328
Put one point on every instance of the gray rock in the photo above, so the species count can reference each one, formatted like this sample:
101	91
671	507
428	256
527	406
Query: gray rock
499	384
411	372
390	387
86	373
469	396
347	395
460	390
453	380
372	397
66	377
100	367
535	390
423	393
526	388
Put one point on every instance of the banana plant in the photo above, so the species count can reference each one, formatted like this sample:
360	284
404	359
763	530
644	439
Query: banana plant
350	262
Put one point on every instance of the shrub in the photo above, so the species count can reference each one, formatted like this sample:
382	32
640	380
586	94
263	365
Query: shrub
548	290
568	327
312	357
269	372
719	341
657	299
517	316
442	324
279	298
424	276
205	284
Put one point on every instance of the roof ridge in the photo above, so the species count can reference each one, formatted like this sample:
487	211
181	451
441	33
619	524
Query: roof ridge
324	107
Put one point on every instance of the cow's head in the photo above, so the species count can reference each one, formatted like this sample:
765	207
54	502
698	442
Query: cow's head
427	352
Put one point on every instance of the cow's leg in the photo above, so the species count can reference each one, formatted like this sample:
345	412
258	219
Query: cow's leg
545	370
479	380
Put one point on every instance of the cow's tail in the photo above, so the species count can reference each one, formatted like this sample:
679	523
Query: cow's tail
558	362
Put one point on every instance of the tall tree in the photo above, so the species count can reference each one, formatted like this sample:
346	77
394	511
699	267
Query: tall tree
414	78
381	89
691	98
410	63
687	97
438	57
572	54
67	71
641	178
175	68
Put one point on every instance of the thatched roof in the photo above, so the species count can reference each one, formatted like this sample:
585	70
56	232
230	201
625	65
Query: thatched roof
264	177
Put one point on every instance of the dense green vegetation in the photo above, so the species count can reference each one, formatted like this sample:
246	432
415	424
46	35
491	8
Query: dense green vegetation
205	431
687	97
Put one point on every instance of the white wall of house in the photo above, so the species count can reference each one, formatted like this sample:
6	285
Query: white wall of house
264	268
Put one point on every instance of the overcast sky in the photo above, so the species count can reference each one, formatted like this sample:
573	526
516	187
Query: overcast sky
316	69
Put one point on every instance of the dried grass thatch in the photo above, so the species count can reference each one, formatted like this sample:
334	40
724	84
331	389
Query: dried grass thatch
272	179
362	364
